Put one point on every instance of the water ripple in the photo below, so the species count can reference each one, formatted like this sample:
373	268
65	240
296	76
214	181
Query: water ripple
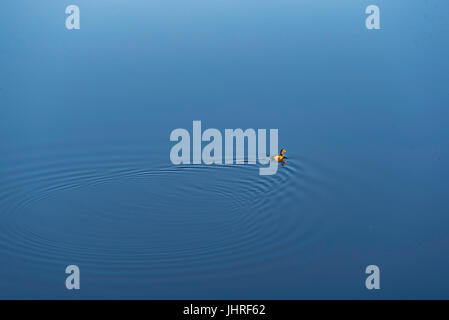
124	213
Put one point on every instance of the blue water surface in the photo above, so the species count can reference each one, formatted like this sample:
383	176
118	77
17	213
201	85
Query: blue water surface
86	178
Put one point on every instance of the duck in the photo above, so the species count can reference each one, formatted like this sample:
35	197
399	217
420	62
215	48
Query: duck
280	157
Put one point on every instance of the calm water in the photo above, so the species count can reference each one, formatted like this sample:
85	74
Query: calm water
86	179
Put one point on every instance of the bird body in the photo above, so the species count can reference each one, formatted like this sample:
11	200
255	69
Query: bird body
280	157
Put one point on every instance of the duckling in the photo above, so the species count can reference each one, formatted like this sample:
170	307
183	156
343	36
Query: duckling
280	157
